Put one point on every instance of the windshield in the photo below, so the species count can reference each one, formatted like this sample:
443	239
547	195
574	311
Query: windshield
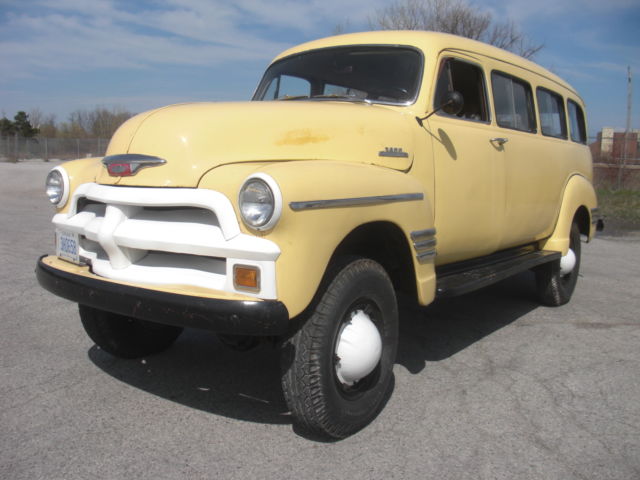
367	74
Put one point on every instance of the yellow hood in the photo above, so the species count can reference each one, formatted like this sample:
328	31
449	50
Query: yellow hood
195	138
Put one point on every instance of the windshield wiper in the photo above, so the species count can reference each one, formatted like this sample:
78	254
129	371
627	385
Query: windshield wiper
349	98
293	97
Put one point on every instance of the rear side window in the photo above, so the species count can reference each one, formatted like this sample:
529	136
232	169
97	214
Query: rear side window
513	102
576	122
553	122
468	80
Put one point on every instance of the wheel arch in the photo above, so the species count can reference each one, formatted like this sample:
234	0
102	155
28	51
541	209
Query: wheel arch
583	219
385	243
578	200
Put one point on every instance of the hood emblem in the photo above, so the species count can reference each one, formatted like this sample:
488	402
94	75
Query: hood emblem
128	164
393	152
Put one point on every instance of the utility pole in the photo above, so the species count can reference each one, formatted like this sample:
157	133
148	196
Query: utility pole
629	97
628	128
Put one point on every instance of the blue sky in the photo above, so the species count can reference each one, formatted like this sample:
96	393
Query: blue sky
62	55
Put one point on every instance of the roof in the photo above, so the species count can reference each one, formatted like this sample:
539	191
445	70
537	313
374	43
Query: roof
428	41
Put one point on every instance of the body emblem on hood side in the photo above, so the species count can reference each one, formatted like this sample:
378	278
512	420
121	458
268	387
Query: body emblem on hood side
393	152
127	165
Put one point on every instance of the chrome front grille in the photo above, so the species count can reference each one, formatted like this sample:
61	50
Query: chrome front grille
163	236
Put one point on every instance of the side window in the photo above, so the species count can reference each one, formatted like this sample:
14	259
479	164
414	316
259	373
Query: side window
285	86
272	89
468	80
553	122
513	102
576	122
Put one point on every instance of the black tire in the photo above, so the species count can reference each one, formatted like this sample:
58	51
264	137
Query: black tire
554	289
318	401
126	337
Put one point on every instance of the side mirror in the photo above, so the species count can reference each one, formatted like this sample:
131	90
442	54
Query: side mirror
452	105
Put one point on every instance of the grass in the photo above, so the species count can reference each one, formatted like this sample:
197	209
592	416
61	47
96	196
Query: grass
620	209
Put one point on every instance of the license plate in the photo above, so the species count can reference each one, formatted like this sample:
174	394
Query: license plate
67	246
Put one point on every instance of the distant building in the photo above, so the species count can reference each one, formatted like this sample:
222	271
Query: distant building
613	147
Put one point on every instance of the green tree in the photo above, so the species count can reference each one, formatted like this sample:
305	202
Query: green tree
7	128
23	126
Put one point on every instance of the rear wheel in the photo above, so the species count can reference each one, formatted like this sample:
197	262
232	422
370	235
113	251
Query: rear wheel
338	367
126	337
556	280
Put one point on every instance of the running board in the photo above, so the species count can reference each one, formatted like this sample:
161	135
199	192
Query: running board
464	277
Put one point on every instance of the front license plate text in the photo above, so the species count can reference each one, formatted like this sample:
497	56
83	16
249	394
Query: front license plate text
67	246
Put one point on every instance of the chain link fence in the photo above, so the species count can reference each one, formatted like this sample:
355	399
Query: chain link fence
616	159
16	148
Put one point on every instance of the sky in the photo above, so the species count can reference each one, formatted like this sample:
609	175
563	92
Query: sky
59	56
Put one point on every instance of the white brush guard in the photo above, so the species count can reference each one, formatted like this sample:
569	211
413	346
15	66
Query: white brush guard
165	236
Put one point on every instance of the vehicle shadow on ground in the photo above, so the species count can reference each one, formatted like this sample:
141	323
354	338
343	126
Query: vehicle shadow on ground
447	326
198	371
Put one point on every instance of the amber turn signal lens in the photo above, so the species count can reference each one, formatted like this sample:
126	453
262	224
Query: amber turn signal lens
246	277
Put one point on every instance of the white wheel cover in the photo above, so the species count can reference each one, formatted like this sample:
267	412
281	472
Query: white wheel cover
359	349
567	263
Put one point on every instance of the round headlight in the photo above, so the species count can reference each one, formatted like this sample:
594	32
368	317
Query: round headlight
260	202
57	186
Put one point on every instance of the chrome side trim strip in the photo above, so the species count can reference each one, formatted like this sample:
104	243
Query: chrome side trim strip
425	255
419	234
354	202
424	244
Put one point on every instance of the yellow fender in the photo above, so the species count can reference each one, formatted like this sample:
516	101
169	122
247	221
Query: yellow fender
578	201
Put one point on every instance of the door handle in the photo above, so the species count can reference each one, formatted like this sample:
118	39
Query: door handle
499	140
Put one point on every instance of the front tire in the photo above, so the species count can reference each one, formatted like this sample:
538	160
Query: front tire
555	287
126	337
356	317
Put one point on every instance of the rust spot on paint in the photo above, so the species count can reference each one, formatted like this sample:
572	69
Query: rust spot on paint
301	137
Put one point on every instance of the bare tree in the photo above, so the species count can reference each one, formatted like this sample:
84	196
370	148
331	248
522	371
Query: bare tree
453	16
106	122
97	123
46	123
342	27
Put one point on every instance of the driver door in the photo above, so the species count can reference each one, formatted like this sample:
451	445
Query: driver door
469	176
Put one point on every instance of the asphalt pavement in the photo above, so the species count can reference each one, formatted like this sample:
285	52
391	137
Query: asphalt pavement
487	386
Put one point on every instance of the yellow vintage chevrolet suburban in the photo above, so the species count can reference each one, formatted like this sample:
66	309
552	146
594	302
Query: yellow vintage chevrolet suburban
364	165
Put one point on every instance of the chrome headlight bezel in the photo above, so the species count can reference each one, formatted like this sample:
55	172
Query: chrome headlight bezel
57	186
271	200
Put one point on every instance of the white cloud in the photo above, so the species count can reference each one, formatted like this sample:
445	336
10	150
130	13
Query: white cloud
68	44
80	34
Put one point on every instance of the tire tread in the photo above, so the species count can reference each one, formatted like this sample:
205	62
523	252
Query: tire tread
302	382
